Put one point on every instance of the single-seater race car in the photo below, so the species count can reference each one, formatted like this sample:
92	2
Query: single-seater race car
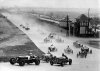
21	60
47	57
86	49
77	44
68	50
60	60
52	48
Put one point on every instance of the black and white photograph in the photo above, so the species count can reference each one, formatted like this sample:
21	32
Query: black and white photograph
49	35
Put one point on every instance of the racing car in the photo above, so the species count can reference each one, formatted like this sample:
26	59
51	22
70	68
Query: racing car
86	49
68	50
60	60
47	57
21	60
52	48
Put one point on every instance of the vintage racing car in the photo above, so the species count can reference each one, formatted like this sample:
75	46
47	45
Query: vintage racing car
21	60
68	50
61	60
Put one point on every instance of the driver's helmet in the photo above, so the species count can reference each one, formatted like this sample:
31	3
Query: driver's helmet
63	54
51	44
67	47
48	52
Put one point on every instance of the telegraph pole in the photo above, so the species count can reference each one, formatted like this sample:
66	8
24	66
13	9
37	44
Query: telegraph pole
88	16
68	24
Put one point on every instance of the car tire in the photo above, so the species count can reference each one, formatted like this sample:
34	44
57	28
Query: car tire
47	60
77	55
72	51
21	63
12	61
70	61
37	62
28	63
90	51
62	64
85	55
51	63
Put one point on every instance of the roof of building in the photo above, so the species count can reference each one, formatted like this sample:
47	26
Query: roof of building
82	17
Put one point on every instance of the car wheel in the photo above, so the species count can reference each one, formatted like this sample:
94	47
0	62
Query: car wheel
77	55
21	63
70	61
72	51
12	61
51	62
28	63
90	51
37	62
47	60
62	64
85	55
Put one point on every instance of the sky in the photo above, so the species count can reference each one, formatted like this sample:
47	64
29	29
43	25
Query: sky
51	3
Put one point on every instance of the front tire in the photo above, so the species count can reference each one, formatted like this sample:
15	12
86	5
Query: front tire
51	62
37	62
62	64
70	61
12	61
21	63
47	60
90	51
77	55
85	55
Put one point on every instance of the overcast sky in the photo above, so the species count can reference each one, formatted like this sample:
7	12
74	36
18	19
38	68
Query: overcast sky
52	3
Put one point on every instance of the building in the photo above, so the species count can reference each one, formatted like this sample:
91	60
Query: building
82	26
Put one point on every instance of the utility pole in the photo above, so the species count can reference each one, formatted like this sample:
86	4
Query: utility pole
88	16
68	24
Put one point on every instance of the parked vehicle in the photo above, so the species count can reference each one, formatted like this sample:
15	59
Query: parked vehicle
21	60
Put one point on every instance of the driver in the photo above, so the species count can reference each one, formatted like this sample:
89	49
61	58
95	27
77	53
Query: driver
63	55
68	47
52	46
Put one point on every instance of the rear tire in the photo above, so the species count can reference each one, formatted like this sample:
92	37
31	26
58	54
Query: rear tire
72	51
62	64
28	63
70	61
47	60
77	55
85	55
90	51
12	61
